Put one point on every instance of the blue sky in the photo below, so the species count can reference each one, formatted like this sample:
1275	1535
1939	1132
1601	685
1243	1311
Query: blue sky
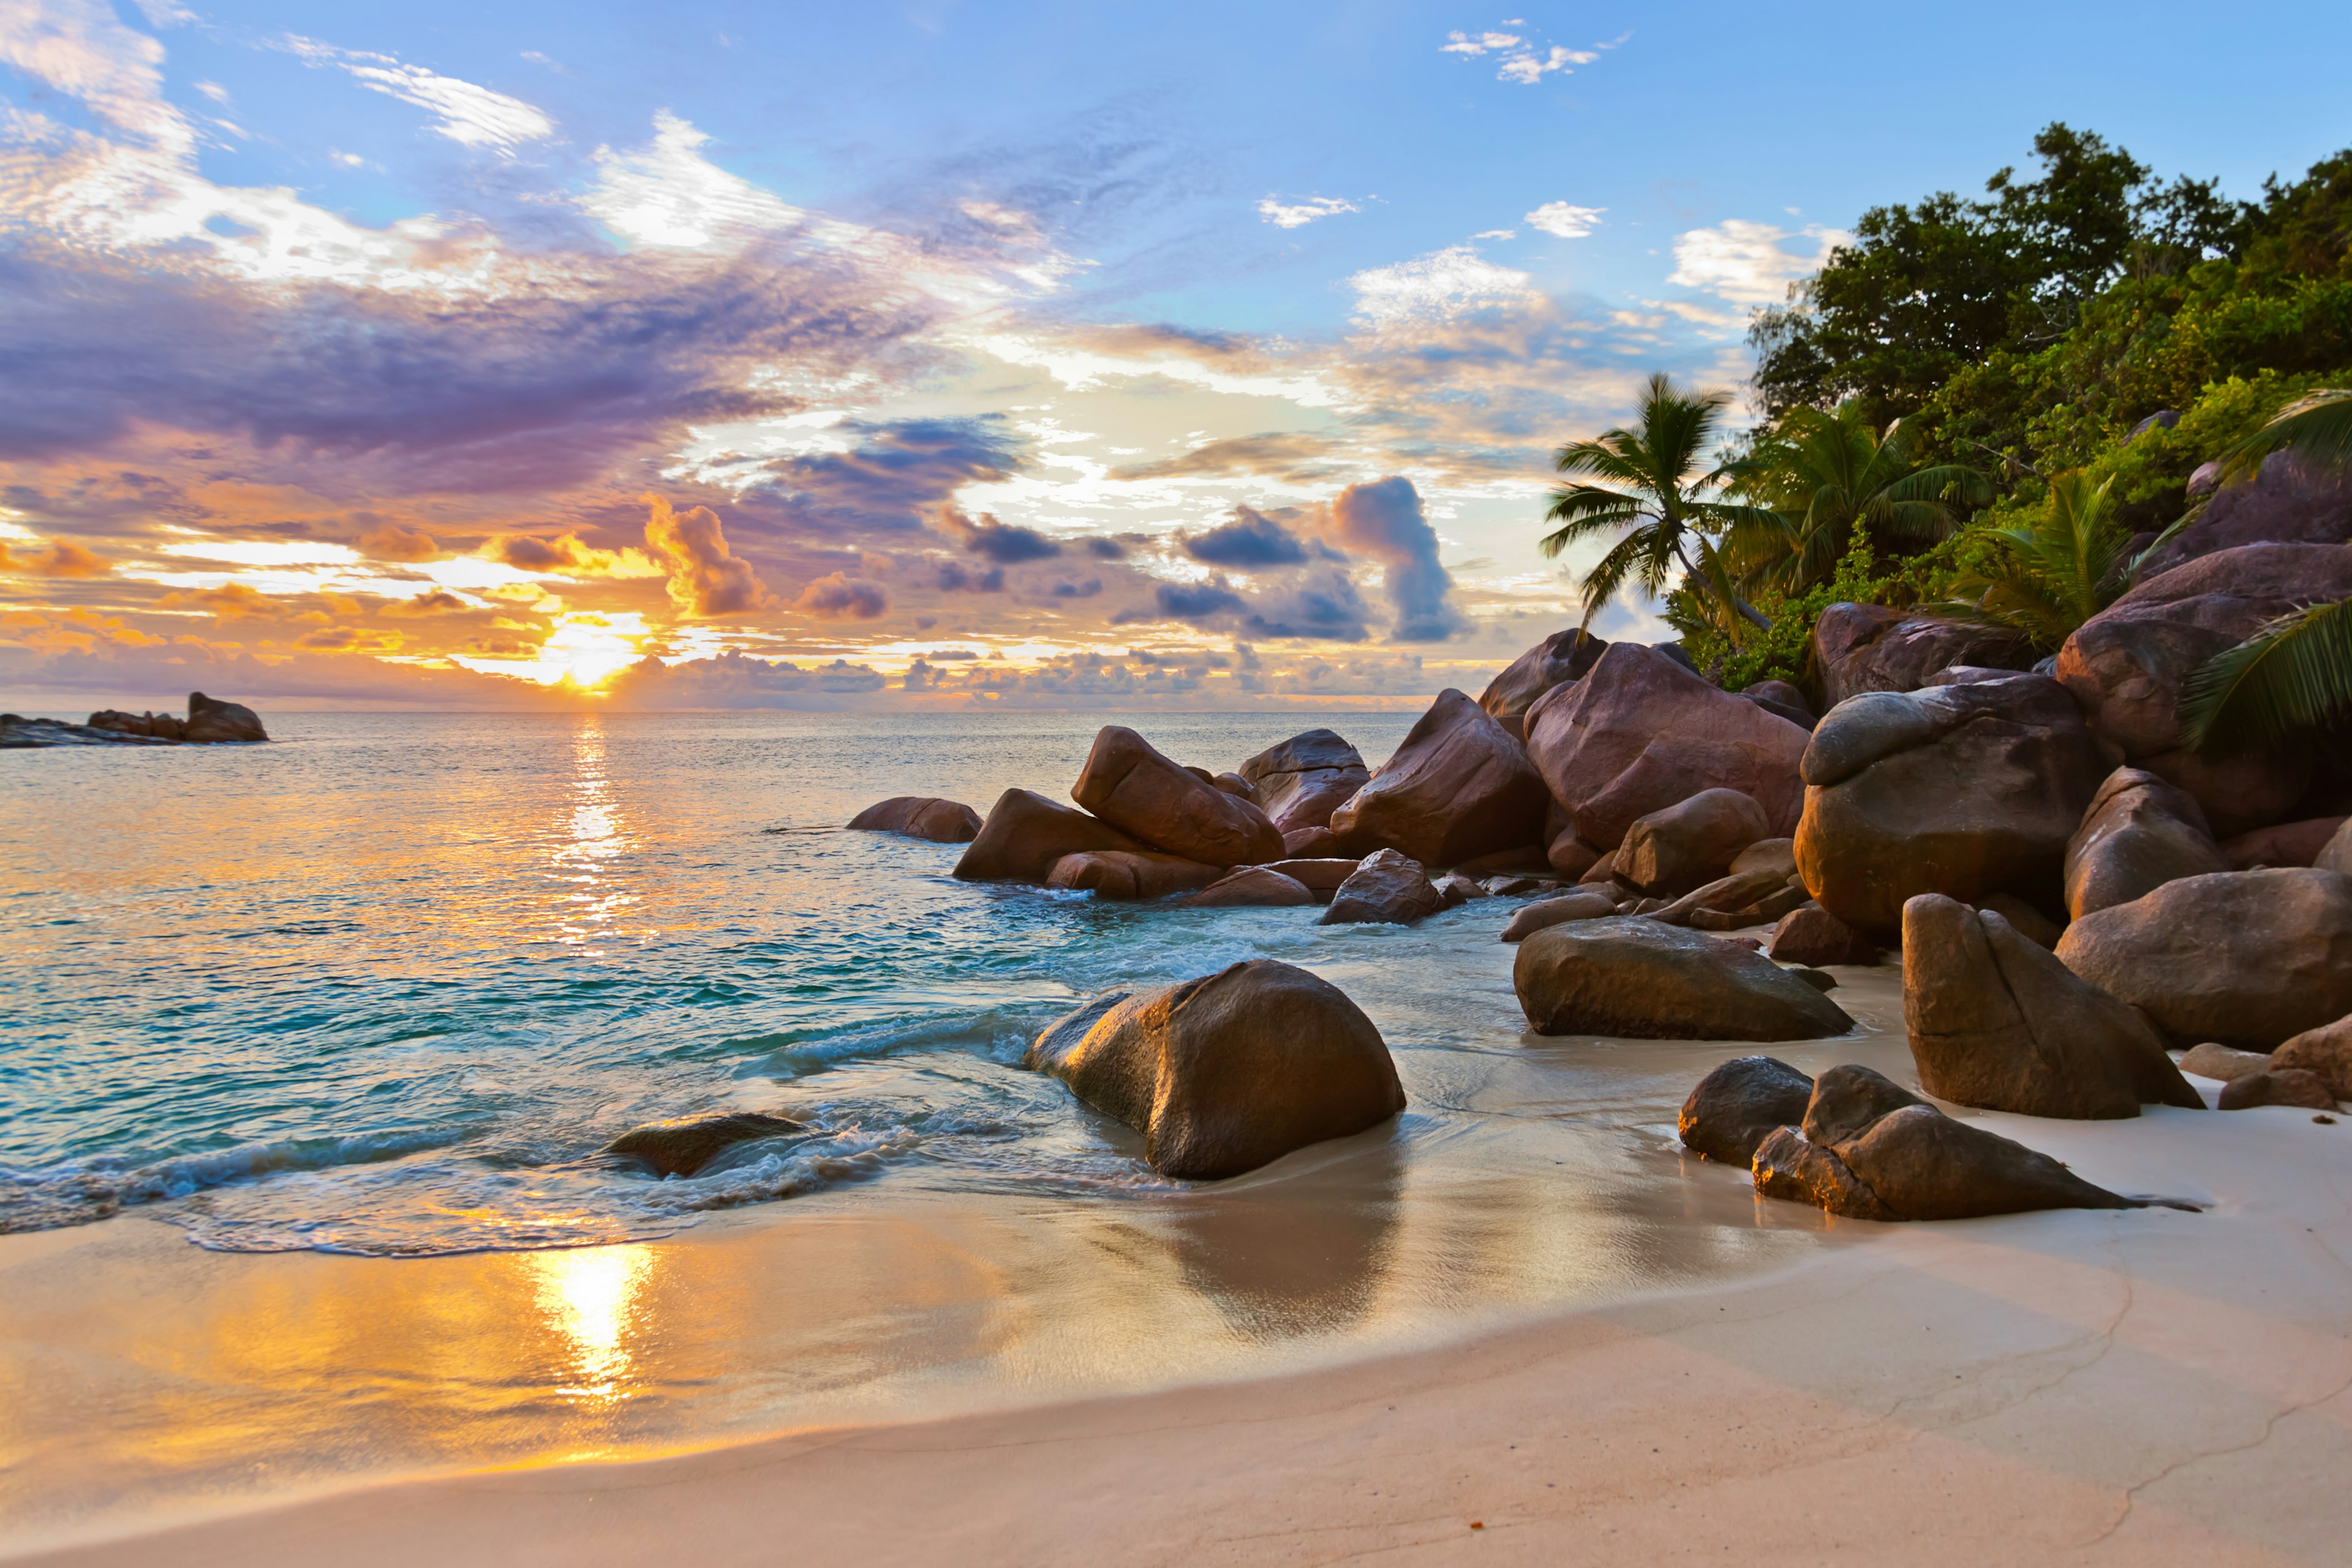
379	348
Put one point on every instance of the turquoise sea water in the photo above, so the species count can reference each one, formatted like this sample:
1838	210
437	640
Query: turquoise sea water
386	984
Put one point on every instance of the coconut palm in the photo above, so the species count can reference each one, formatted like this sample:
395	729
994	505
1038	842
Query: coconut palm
2052	575
1820	475
2292	675
1665	513
2318	425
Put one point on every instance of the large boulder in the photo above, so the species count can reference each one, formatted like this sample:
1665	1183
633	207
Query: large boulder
2290	500
1131	787
1130	874
1998	1021
213	720
1025	835
2245	958
2137	834
1810	935
1640	733
1637	978
682	1147
1558	659
1458	787
1868	648
2325	1051
1385	889
1321	877
2282	844
2126	665
2277	1086
1736	1107
1302	781
1869	1148
1252	886
1225	1073
1669	852
1960	790
921	816
1781	697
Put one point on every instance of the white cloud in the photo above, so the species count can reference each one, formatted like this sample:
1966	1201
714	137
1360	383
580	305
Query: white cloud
471	116
1437	287
1565	222
78	48
1496	234
1748	263
1522	62
1463	44
672	197
1274	212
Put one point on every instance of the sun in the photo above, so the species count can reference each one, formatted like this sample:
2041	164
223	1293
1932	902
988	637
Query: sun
584	649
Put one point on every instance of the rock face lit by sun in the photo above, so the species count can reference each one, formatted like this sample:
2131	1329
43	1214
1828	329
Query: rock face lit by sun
584	649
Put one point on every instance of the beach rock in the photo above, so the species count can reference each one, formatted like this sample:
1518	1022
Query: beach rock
1560	658
1235	786
1025	835
1455	890
1302	781
2279	1085
1529	919
1252	886
684	1146
1634	977
1670	852
1786	1166
1569	856
1998	1022
1748	891
2246	958
1780	698
1314	844
1924	1165
1868	648
1778	856
1459	786
1736	1107
1140	792
1130	874
2283	844
2223	1062
1225	1073
1519	886
1526	859
213	721
2137	834
19	733
1960	790
1763	912
2125	666
1848	1101
1640	733
921	816
2325	1051
2024	918
1809	934
2288	502
1385	889
1320	876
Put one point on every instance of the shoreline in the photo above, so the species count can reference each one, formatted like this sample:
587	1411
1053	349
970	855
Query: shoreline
2069	1386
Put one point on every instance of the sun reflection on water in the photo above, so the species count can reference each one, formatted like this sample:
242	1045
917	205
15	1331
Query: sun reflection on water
592	832
589	1296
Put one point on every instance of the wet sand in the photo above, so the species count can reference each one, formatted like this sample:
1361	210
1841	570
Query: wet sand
1366	1349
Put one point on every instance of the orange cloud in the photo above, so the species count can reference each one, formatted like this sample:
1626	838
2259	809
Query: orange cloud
349	639
437	602
706	578
63	558
570	555
227	602
394	543
68	631
837	597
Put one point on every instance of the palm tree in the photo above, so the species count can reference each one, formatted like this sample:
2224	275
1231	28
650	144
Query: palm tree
1821	474
2052	573
1664	515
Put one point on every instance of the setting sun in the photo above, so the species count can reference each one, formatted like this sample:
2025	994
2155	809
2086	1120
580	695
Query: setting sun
585	650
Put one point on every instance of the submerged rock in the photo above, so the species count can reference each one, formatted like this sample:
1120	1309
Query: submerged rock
1130	785
1253	885
921	816
1631	977
1385	889
1997	1021
1736	1107
684	1146
1127	874
1225	1073
20	733
1543	913
1025	835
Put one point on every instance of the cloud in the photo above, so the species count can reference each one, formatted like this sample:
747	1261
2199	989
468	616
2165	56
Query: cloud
394	543
229	602
1200	602
569	555
435	602
705	577
1295	455
1005	543
1299	215
736	679
1440	286
1251	540
1384	521
670	195
840	597
1746	262
470	116
1565	222
1522	62
63	558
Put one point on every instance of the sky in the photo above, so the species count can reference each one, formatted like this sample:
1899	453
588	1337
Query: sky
933	354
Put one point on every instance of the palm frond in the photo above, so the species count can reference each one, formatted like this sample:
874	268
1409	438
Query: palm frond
2292	675
2318	425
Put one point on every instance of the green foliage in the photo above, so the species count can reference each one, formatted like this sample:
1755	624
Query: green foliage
2290	678
2048	574
2318	427
1784	650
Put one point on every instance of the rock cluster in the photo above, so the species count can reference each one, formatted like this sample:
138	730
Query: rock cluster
210	721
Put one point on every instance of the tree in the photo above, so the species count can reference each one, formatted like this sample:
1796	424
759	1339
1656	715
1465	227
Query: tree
1819	475
1664	516
2047	576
